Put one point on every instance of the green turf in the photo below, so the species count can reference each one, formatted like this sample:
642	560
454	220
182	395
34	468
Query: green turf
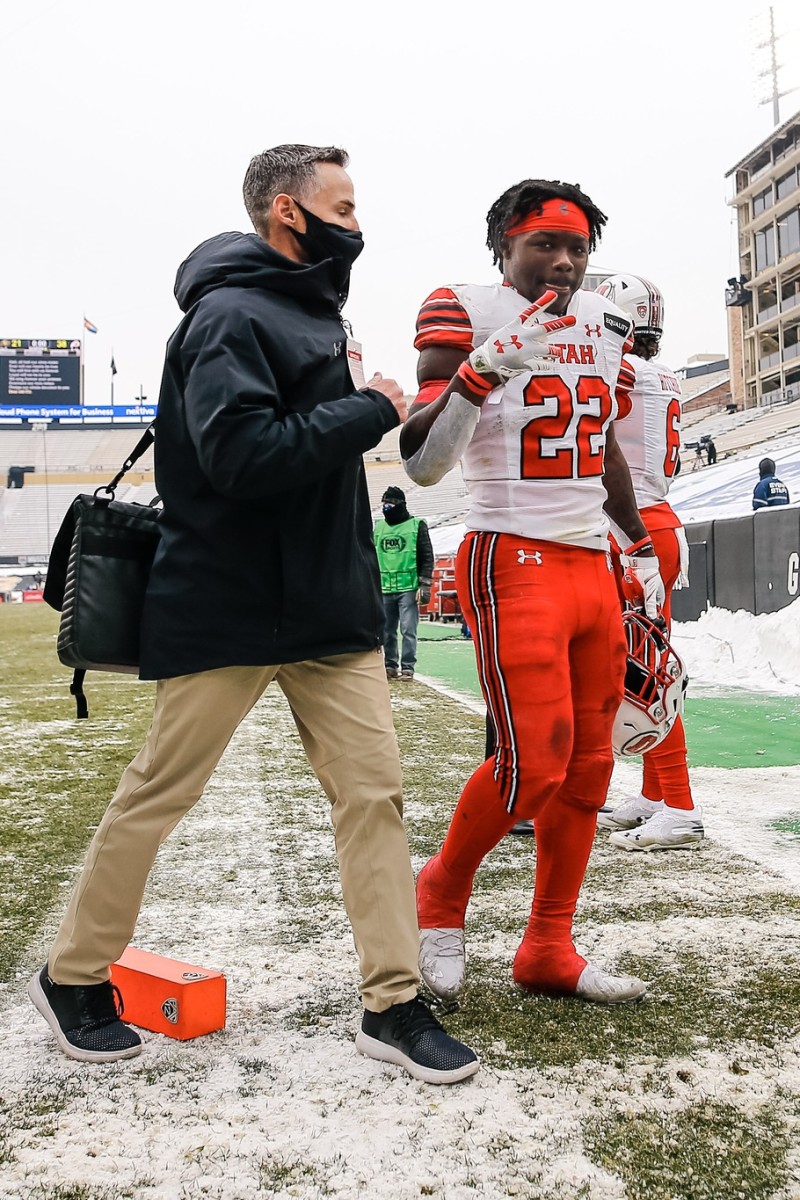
734	729
57	774
788	825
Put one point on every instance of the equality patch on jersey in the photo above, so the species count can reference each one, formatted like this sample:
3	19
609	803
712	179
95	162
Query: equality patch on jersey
618	325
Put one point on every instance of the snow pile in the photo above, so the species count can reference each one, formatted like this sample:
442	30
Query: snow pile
738	649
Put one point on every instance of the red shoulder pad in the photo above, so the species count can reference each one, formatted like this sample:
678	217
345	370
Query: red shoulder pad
443	321
626	381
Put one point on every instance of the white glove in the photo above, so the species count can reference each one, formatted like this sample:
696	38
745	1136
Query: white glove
521	345
683	545
642	583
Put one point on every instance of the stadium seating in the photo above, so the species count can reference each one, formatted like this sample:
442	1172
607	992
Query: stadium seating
66	462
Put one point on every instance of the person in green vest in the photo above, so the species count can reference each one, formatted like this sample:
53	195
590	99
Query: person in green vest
405	558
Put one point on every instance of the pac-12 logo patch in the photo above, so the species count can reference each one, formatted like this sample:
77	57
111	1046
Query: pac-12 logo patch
170	1010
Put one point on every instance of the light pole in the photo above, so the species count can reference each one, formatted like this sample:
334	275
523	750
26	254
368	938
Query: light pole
41	427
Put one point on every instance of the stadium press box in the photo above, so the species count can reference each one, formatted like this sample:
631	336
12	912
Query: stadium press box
167	996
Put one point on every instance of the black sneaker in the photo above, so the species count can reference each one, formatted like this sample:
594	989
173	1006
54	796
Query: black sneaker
410	1036
85	1020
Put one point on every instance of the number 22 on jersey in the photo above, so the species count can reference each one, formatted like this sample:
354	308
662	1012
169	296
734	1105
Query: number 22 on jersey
578	417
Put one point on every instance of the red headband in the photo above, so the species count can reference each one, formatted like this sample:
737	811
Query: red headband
555	214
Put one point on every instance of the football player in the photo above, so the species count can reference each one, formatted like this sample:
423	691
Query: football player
663	816
519	379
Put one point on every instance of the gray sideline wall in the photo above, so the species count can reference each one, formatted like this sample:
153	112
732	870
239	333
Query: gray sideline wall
750	562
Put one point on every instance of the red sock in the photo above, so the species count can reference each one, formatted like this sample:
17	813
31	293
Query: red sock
669	761
547	961
651	788
478	824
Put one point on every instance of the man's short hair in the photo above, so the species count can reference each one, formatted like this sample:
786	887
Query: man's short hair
766	467
291	169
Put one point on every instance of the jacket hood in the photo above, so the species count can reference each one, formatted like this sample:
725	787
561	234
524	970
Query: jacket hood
243	260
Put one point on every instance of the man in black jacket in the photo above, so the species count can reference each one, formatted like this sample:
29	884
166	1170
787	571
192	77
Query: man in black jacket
263	418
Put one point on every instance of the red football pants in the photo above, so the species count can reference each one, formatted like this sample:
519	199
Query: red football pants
666	771
547	631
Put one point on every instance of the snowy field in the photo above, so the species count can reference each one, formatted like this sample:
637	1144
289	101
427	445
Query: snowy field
692	1095
701	1081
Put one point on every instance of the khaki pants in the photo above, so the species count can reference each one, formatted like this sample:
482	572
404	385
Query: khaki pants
342	711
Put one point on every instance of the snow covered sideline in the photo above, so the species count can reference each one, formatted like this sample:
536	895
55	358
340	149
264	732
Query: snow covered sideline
738	649
279	1104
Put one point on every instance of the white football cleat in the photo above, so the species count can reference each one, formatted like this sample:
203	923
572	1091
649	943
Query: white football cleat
629	814
595	984
669	829
442	962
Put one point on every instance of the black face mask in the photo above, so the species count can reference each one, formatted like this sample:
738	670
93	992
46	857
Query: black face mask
395	514
325	242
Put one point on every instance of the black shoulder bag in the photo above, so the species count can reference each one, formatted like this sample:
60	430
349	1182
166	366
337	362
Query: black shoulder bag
97	576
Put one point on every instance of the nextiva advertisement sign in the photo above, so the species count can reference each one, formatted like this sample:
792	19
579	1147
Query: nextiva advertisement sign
75	414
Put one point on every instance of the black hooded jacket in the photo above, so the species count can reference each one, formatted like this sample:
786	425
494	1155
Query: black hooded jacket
266	553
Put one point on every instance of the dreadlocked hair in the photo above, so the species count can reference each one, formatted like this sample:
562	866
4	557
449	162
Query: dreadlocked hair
529	196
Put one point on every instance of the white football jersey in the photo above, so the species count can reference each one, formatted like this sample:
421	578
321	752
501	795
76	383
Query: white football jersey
650	436
534	466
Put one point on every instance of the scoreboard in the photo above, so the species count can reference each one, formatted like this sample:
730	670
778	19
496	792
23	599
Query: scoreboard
40	371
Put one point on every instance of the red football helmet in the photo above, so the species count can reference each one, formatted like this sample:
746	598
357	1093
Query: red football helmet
655	686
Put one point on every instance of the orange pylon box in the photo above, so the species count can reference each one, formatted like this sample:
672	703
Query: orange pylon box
164	995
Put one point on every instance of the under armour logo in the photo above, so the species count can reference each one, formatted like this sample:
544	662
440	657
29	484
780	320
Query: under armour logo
337	349
515	342
592	330
564	208
523	557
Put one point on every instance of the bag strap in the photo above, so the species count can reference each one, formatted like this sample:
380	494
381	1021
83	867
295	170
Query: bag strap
76	690
144	443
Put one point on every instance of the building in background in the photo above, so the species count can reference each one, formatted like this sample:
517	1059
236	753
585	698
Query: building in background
763	301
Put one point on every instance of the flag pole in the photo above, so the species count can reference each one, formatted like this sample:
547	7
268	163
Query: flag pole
113	373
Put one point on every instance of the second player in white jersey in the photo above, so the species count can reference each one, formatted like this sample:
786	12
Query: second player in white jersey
650	436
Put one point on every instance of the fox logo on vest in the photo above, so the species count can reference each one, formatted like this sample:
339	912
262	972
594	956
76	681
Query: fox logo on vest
523	557
397	542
